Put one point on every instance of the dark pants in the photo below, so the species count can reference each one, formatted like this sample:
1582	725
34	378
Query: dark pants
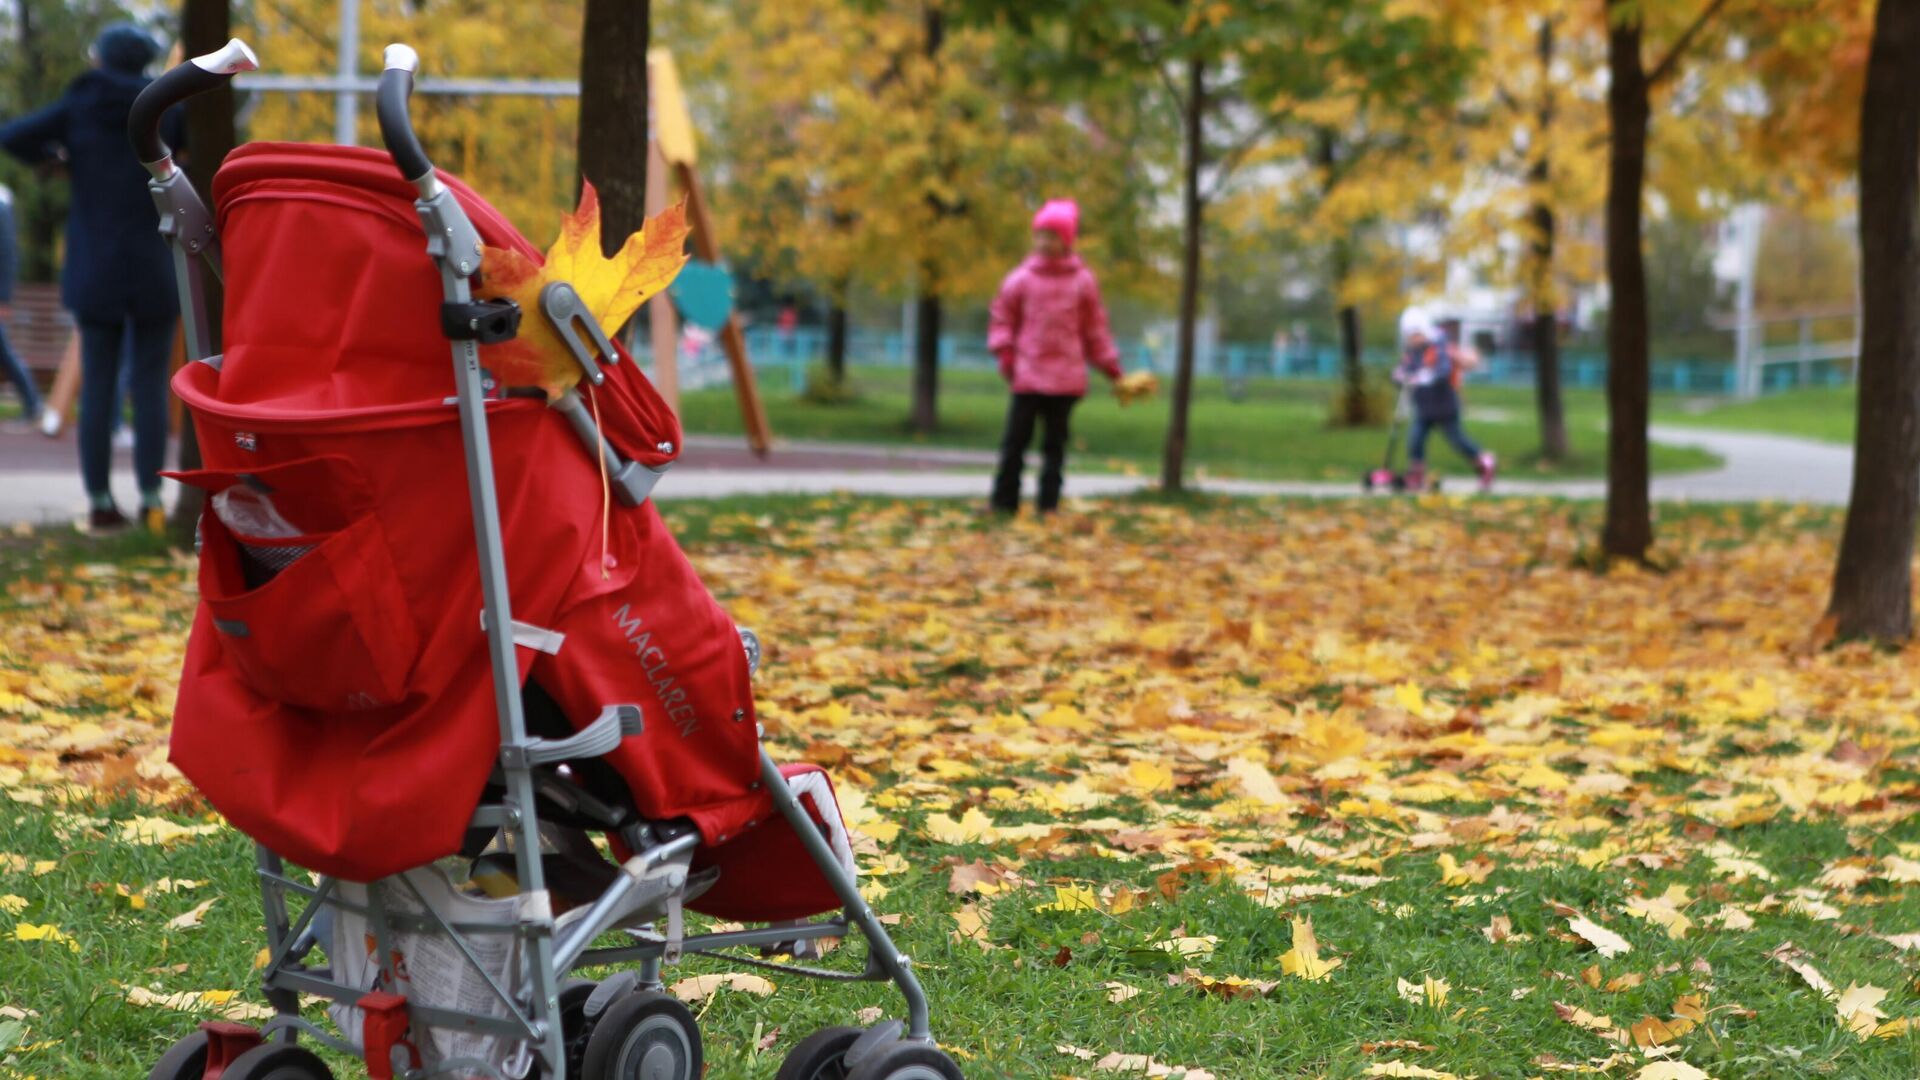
21	378
147	346
1449	427
1026	408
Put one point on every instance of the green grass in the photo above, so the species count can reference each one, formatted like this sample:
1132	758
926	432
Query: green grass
1279	431
1046	981
1826	414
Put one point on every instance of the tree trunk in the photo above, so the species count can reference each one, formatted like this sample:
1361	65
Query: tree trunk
1546	323
1554	445
205	25
925	418
1872	585
1353	373
1629	527
1173	466
613	114
837	342
926	365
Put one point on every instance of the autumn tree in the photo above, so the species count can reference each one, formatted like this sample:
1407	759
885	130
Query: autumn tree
883	147
1872	584
517	150
1235	74
1628	531
1531	140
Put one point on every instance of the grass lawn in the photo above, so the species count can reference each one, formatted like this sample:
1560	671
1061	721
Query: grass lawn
1825	413
1278	431
1176	741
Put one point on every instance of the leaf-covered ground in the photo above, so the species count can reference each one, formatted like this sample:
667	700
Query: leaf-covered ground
1247	790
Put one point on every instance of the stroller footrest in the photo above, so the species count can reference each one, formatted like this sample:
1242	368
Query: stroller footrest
614	723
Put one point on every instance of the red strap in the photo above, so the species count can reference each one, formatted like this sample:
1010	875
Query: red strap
383	1027
226	1041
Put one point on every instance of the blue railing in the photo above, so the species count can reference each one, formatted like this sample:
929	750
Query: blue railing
795	351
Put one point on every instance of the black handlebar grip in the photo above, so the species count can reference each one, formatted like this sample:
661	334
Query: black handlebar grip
396	128
184	80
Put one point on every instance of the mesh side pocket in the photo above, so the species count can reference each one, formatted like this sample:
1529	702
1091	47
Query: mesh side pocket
261	563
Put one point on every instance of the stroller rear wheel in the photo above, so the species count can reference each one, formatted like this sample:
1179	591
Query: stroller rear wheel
277	1061
821	1055
644	1036
184	1060
906	1061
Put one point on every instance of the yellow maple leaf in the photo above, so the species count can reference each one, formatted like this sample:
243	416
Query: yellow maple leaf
973	827
1149	777
611	289
48	933
1133	387
1429	991
1858	1009
1071	898
1304	958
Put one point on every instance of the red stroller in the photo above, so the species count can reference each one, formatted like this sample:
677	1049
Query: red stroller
434	719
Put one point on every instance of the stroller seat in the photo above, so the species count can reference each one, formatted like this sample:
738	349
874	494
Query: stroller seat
336	702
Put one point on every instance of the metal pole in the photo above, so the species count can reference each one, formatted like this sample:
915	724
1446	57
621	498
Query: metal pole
346	103
1747	220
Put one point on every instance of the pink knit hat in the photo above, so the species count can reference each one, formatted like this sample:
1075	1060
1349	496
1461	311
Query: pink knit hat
1062	216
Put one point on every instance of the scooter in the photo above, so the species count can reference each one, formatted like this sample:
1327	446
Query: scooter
1386	478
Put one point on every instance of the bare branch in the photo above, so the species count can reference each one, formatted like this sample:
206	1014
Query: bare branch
1152	52
1237	154
1670	63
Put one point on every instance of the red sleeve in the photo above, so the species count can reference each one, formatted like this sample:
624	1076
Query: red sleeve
1003	317
1096	337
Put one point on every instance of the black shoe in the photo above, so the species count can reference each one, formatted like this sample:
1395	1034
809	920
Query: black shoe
106	520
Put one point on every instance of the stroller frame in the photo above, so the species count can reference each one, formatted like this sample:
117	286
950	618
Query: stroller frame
532	1016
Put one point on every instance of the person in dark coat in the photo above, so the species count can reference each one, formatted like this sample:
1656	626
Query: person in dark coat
10	364
118	275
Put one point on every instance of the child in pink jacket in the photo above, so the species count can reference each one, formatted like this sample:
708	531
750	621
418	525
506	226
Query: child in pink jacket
1046	326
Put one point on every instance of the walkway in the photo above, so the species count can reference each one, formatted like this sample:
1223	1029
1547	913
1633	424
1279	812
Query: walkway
39	479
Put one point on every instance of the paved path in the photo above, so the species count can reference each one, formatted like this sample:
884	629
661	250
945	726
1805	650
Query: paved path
39	479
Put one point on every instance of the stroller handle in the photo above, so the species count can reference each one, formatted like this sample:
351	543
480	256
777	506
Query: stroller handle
396	126
182	81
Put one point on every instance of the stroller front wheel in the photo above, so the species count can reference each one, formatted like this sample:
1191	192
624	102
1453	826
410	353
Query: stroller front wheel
821	1055
906	1061
277	1061
644	1036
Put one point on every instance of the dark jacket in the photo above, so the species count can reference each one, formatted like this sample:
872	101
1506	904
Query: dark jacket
1435	379
116	264
9	246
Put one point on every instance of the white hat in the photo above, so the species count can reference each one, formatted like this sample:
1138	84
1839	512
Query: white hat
1417	321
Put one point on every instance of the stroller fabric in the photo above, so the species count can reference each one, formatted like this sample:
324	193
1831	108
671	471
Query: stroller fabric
338	706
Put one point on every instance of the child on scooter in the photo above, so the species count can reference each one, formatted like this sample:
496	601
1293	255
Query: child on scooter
1432	367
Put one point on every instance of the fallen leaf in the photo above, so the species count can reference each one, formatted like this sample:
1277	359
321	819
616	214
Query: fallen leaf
1604	941
187	920
1430	991
701	987
1303	959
